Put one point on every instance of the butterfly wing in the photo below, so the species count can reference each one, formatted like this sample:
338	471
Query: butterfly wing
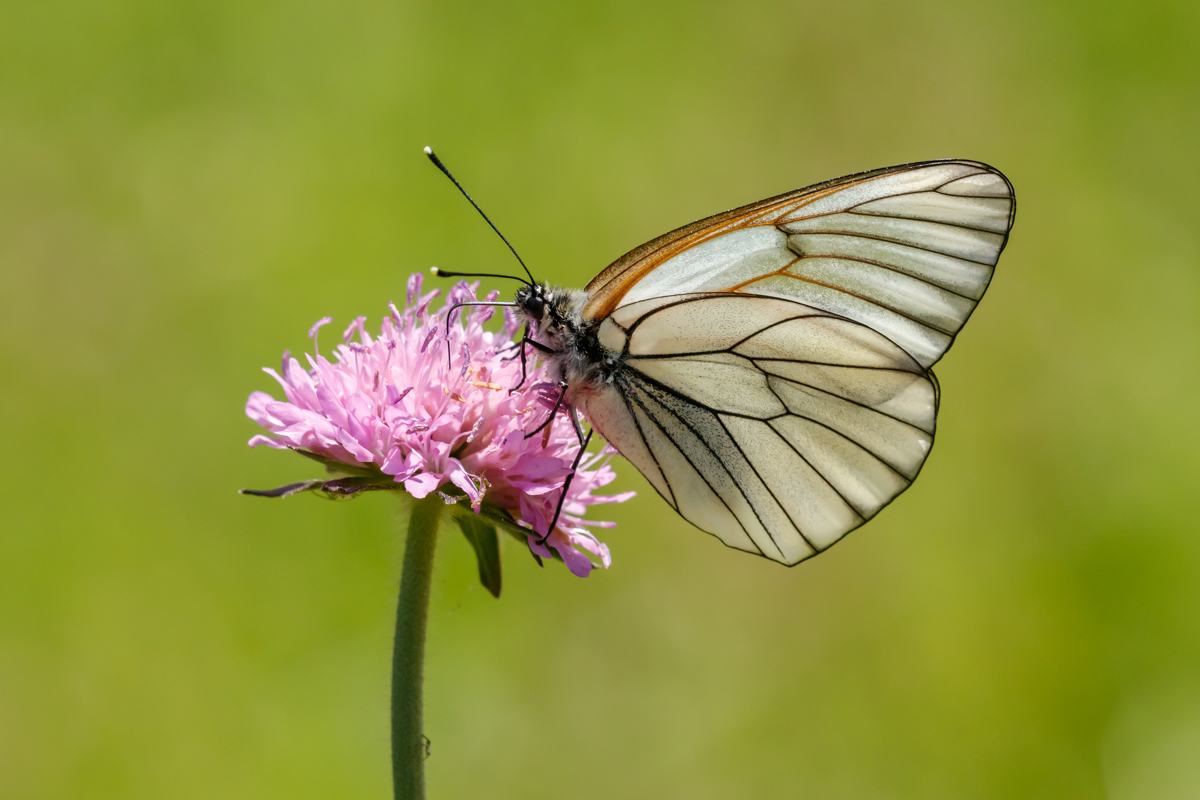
771	424
774	381
906	250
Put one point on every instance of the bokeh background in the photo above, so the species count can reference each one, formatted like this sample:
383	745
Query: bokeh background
185	187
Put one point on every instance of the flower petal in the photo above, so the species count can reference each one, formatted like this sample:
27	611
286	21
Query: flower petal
419	486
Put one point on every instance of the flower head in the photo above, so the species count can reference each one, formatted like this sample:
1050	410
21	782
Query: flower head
429	406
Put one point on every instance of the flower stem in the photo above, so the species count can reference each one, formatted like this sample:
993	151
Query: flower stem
408	652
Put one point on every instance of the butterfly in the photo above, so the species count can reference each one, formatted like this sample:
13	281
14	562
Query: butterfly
769	369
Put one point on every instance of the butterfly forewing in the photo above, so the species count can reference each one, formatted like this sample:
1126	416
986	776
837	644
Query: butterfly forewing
907	251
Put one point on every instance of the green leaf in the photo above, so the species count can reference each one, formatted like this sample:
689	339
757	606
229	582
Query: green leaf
335	489
482	535
284	491
505	522
352	487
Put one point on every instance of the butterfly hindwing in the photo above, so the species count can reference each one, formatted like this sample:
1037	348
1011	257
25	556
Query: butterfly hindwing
772	424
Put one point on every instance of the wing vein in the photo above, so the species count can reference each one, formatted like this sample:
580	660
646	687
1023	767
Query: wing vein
888	267
650	416
672	499
921	219
644	378
827	232
852	441
873	302
840	397
857	512
678	395
758	475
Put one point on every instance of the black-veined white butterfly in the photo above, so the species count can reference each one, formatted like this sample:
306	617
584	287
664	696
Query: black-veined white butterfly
768	369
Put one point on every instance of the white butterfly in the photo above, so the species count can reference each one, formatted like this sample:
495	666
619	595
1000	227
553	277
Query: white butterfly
768	369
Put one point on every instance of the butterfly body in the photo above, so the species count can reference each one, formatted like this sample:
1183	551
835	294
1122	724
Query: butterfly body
555	320
768	369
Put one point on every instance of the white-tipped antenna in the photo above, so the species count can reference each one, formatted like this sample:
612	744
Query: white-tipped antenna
441	273
437	162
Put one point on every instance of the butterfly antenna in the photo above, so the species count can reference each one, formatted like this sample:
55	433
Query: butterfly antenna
437	162
438	272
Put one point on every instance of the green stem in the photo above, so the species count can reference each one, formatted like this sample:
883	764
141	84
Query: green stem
408	652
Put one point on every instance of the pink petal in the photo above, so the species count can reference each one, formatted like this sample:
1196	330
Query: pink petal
579	564
255	441
256	409
352	446
402	467
421	485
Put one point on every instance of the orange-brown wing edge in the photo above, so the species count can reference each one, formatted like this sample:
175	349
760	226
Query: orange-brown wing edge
606	289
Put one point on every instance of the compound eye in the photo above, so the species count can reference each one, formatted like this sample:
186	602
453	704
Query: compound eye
536	306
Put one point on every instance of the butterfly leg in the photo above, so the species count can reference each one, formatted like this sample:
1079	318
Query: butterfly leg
536	345
519	346
574	415
566	486
562	393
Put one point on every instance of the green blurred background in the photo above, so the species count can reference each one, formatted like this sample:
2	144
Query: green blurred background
186	186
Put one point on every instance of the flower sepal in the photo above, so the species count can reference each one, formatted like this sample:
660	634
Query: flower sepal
336	489
354	481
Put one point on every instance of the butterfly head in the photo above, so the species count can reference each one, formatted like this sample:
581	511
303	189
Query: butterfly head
551	311
531	299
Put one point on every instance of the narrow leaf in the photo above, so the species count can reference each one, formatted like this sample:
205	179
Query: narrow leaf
344	487
283	491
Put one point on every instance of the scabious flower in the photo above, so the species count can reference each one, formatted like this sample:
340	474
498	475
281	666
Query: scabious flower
430	407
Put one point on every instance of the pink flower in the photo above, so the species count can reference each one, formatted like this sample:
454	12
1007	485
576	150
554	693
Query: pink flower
395	405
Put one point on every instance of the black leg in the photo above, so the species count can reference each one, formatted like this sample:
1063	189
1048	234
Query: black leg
562	393
518	346
536	345
566	485
574	415
522	381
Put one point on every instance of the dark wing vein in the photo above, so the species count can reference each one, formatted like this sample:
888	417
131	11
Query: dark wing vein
834	394
703	477
642	435
888	267
851	210
657	384
644	378
918	219
886	307
830	232
828	482
767	486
